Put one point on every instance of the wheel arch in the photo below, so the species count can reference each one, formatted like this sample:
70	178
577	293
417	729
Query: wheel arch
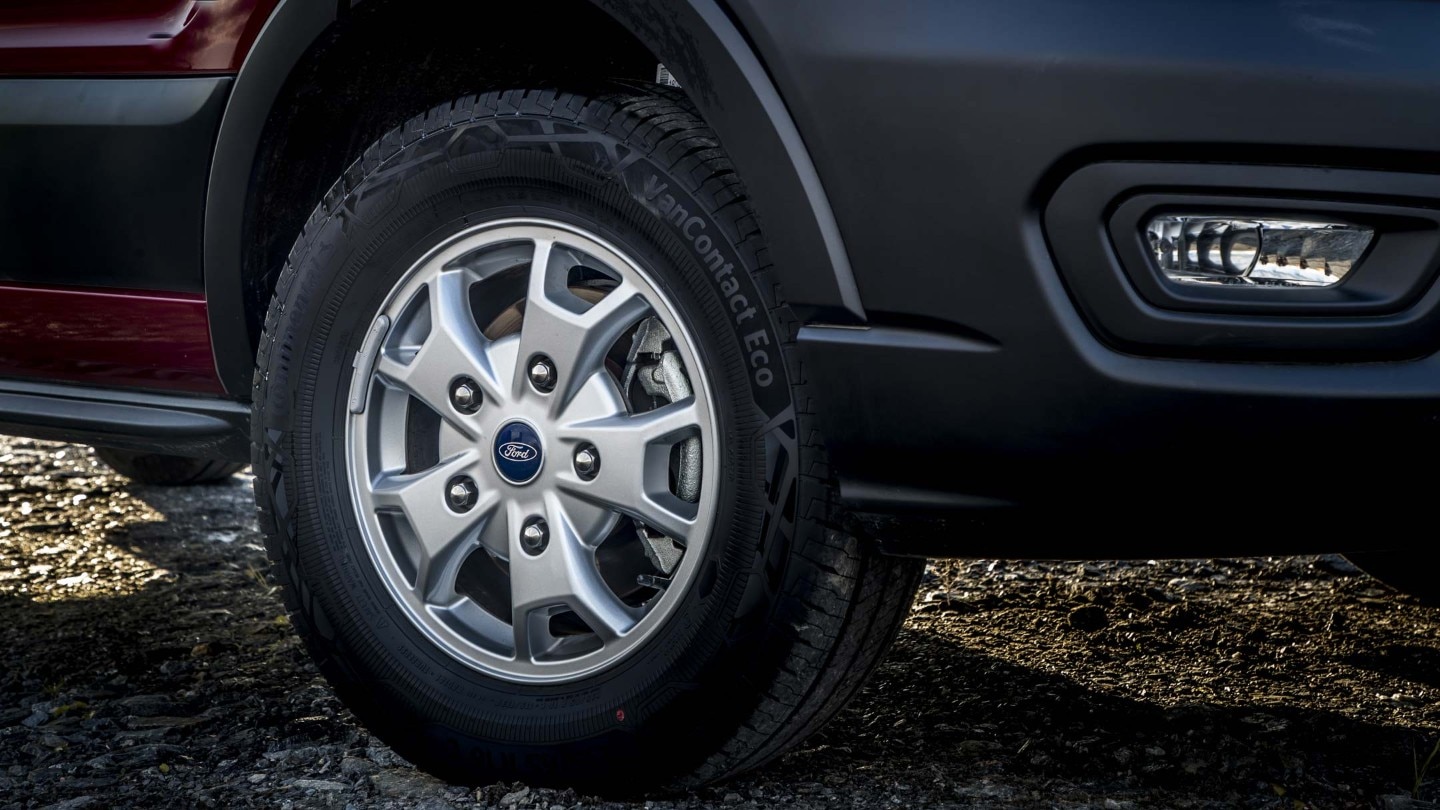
275	152
723	77
293	28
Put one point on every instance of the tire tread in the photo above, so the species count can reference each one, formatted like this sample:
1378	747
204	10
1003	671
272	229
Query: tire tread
840	602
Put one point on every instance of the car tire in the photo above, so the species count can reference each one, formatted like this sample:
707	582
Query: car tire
1400	571
167	471
787	612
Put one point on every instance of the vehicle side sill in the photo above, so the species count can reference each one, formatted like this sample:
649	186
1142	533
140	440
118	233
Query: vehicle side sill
161	423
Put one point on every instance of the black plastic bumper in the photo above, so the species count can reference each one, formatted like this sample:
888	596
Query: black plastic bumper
942	131
1087	451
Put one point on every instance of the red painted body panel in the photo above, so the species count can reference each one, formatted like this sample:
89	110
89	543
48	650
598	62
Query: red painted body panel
128	37
106	337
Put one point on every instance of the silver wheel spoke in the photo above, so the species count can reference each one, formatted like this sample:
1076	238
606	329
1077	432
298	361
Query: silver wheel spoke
444	537
453	348
628	434
558	325
564	575
634	480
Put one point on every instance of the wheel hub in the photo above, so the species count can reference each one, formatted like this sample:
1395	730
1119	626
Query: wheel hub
518	452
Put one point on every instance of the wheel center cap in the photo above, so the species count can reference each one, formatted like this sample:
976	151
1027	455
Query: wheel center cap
518	454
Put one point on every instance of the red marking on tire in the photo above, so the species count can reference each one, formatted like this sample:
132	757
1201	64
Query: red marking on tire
619	715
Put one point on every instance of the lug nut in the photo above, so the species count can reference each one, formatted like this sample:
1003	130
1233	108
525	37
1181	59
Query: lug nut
587	461
461	493
465	395
534	536
542	374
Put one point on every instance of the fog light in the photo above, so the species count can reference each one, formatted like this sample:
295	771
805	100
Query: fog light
1255	252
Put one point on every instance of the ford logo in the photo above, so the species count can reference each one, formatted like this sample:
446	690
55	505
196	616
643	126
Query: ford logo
518	452
515	451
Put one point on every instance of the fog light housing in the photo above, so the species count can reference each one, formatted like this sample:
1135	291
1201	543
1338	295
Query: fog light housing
1279	253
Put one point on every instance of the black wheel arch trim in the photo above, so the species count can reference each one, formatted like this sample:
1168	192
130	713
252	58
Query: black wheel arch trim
722	75
292	28
696	40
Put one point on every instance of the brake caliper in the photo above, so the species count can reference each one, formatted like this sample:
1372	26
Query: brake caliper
654	363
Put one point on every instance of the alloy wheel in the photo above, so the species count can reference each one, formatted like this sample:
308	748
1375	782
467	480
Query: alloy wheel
531	450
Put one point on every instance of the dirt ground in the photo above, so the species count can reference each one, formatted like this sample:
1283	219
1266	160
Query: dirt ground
146	661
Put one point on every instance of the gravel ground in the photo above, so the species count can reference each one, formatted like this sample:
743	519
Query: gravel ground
145	660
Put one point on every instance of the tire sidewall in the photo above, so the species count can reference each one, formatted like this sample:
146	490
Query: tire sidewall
369	239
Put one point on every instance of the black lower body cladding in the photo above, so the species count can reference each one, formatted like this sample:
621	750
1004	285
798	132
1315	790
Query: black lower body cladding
788	613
